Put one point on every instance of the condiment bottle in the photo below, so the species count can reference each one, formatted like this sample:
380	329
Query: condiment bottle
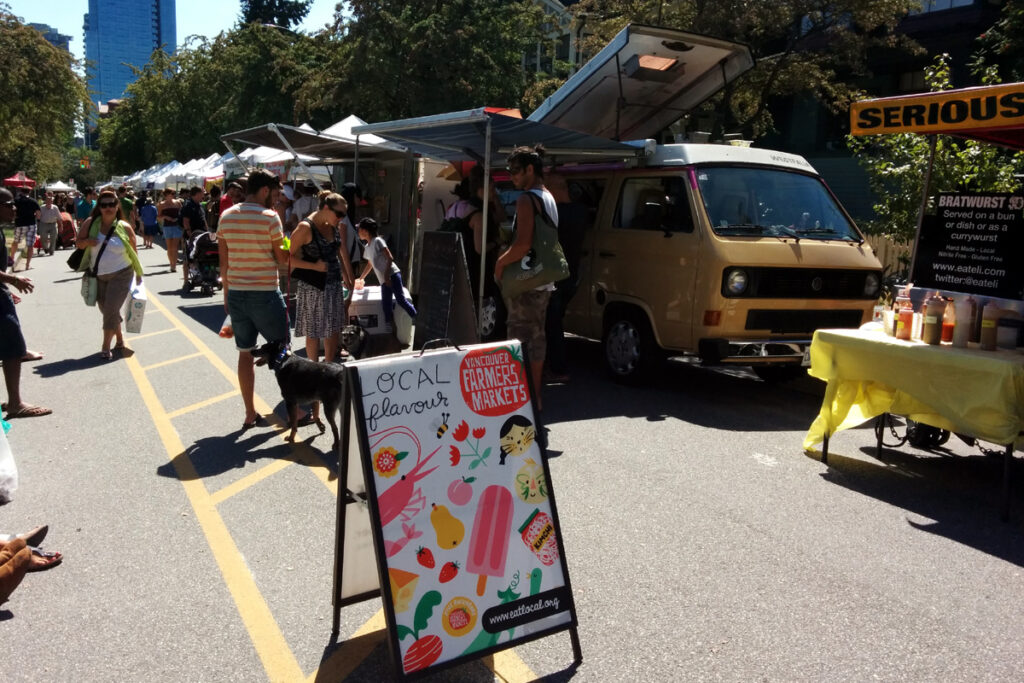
904	317
989	326
1006	332
948	321
933	309
964	322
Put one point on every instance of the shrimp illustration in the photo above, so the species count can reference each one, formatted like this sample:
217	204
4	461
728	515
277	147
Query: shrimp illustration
404	497
409	533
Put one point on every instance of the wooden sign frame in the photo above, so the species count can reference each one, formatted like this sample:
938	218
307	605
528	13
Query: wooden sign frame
548	607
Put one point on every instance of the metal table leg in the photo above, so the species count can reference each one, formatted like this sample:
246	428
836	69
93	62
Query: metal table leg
1004	503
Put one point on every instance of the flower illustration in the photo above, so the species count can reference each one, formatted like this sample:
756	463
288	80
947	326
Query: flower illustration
455	455
461	432
479	432
385	461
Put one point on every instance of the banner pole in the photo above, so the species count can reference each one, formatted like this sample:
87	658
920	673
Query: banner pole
924	204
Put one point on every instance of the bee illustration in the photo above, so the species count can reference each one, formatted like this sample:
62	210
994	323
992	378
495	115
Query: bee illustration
443	426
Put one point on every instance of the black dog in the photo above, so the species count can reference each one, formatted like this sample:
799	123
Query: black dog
303	381
353	340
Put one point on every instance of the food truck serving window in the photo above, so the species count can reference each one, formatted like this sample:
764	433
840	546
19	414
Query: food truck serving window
764	201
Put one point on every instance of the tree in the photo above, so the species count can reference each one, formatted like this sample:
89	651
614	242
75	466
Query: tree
815	48
392	58
180	105
38	122
1002	46
283	13
896	166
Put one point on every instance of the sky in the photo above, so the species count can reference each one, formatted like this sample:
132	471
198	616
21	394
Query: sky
202	17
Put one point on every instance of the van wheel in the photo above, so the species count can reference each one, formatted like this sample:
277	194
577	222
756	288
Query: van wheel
629	349
774	374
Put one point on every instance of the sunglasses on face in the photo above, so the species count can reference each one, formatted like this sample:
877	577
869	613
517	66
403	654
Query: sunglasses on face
514	170
9	202
108	205
336	211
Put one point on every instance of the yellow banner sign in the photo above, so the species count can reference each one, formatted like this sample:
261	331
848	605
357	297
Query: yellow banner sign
990	107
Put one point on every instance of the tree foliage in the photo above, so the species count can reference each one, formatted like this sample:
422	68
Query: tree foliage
801	47
283	13
1002	46
393	59
43	98
897	164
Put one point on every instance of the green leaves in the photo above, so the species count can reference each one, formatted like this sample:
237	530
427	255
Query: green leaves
424	610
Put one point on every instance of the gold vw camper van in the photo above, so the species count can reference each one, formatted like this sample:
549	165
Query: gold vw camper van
732	253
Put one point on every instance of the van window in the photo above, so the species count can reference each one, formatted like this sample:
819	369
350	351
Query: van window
764	201
654	203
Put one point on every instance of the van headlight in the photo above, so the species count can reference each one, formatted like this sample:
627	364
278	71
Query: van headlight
736	282
871	285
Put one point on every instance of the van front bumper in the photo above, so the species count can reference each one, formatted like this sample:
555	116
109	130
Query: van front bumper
755	351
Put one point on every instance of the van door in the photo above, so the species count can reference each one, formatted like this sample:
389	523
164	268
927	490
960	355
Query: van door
648	255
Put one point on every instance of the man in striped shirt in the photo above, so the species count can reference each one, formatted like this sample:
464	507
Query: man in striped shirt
249	240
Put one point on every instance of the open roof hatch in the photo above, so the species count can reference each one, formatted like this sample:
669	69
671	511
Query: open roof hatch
642	81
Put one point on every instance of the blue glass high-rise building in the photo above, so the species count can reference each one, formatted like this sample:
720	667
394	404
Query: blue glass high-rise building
120	32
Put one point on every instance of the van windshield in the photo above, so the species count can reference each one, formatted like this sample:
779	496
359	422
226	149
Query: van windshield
771	202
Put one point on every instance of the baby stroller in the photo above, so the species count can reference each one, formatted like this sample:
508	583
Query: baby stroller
202	263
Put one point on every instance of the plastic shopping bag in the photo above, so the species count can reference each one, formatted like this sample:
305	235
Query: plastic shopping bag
8	470
135	309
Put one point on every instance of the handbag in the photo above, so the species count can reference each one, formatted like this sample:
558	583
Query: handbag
90	282
545	262
315	278
75	260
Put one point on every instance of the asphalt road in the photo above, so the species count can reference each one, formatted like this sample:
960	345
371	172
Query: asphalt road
702	543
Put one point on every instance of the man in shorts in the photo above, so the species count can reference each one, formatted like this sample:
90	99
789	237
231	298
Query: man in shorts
25	220
12	342
249	239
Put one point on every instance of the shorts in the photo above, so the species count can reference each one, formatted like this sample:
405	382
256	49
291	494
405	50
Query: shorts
26	233
172	232
257	312
152	230
12	342
527	314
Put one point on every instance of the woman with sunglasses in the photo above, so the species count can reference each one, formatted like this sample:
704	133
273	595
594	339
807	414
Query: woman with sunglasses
321	266
117	265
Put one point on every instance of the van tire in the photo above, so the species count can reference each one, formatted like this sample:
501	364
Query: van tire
774	374
630	354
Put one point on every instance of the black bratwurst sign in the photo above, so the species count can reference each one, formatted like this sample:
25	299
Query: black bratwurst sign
972	245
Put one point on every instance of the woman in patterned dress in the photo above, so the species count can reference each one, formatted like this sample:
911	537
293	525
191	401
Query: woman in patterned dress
321	266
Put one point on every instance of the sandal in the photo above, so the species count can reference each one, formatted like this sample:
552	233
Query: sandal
106	355
259	420
31	356
35	536
43	559
29	411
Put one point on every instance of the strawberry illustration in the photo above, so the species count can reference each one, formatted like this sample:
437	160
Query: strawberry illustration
425	557
448	572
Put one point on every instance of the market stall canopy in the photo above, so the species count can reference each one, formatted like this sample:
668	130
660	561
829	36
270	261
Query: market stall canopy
305	141
60	186
462	136
643	81
19	179
989	113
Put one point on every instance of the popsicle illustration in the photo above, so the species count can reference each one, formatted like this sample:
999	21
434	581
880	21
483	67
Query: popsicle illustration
488	546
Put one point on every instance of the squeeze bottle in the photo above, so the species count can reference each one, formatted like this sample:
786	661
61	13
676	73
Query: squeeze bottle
933	310
949	321
904	317
964	322
989	325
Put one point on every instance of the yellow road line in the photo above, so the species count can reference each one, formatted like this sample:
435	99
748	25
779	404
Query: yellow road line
202	404
267	639
137	337
161	364
269	642
249	480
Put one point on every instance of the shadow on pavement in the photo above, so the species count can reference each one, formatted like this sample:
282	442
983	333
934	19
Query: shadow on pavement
960	493
729	398
216	455
209	313
62	367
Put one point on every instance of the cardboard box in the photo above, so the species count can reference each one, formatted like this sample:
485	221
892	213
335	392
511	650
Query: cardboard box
135	309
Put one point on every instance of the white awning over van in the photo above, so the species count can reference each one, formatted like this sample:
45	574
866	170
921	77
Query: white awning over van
660	75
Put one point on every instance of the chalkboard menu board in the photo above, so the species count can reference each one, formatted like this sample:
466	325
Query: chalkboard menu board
973	244
445	302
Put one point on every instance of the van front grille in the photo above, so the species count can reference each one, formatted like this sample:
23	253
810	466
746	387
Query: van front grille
804	322
801	283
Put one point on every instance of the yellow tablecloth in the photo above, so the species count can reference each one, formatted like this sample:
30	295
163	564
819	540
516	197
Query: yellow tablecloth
968	391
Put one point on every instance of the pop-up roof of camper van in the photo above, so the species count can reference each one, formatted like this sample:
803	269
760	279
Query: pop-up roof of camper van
661	74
